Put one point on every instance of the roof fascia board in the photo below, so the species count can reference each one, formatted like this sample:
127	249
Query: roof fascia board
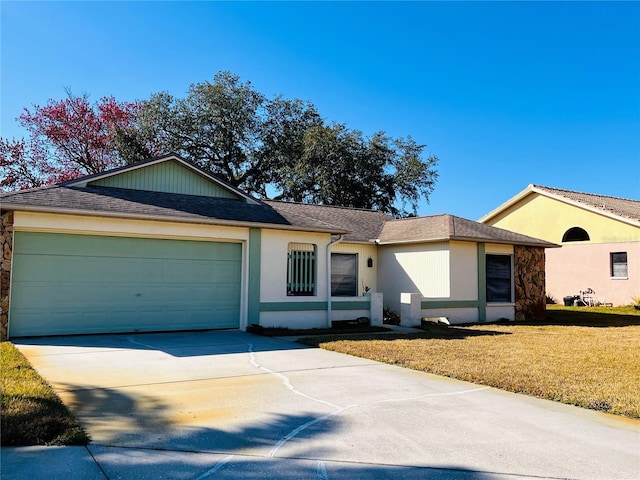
204	221
411	242
83	181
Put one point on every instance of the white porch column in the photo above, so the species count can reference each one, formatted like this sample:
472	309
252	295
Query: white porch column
376	315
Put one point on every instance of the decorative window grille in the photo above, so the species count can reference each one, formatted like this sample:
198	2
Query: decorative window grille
301	269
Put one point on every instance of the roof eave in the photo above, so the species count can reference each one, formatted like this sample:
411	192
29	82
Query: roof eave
406	242
169	218
458	238
524	243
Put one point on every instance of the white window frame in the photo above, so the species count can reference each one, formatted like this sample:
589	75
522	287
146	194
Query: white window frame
612	266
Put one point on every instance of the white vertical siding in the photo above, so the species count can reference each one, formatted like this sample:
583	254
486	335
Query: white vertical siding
420	268
464	271
367	276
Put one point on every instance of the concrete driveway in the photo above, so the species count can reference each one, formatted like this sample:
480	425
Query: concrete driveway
232	405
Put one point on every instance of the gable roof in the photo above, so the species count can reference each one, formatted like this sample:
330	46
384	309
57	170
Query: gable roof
623	209
84	197
449	227
101	178
88	196
123	202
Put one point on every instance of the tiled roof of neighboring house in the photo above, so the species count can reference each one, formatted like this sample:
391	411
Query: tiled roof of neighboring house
622	207
449	227
362	225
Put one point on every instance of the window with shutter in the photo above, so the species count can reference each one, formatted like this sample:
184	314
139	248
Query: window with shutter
301	269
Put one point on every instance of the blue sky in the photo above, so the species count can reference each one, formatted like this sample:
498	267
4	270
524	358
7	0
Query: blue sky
506	94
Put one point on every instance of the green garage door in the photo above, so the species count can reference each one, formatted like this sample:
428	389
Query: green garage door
73	284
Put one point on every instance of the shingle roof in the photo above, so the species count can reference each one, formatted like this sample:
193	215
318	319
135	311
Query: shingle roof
122	201
362	225
449	227
357	225
622	207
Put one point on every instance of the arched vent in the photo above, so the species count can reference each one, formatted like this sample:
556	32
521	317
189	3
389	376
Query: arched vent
575	234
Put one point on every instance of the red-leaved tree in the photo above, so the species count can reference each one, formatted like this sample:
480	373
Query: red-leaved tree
67	138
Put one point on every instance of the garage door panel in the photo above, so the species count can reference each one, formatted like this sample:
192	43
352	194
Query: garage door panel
170	285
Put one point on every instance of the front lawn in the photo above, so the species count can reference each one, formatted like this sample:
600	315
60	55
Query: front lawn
580	356
32	414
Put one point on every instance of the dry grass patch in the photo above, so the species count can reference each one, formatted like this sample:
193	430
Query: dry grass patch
32	414
595	367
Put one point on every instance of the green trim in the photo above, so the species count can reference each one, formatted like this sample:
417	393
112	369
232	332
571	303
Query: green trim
482	283
309	306
426	304
291	306
253	295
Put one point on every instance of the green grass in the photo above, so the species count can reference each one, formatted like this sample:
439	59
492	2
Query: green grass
32	414
587	357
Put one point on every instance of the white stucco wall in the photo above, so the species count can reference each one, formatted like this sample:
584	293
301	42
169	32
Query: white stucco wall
273	279
303	319
500	312
578	266
273	265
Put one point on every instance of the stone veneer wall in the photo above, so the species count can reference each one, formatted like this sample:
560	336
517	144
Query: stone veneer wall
529	276
6	247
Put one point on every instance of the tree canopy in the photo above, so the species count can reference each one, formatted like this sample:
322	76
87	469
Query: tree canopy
67	138
271	147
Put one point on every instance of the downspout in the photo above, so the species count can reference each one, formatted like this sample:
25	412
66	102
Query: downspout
329	245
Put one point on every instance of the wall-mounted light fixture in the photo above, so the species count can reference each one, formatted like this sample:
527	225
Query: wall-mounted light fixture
370	262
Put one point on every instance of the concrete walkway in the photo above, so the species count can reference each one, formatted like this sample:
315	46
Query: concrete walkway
232	405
